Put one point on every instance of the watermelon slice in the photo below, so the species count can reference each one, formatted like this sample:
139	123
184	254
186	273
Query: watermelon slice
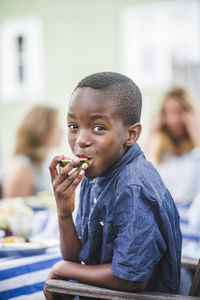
67	160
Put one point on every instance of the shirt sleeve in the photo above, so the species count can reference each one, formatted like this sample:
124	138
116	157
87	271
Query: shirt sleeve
139	244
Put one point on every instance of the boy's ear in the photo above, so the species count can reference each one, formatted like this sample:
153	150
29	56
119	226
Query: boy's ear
132	134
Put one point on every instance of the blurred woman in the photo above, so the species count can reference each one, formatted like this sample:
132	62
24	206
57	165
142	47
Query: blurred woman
174	144
38	132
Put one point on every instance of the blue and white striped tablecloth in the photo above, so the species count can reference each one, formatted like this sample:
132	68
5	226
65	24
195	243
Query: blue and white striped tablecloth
190	234
24	277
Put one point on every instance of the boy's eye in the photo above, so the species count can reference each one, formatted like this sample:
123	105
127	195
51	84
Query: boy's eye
99	128
72	126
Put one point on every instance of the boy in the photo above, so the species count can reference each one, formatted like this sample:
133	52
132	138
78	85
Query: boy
127	234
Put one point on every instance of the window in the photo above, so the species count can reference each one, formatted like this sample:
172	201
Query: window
22	60
155	36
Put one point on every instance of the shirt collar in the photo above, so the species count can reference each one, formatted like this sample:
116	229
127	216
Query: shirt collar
127	158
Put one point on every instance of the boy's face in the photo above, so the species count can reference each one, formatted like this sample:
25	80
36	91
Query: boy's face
95	130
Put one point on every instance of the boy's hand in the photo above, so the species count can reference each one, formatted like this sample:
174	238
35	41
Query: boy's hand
65	183
48	295
53	275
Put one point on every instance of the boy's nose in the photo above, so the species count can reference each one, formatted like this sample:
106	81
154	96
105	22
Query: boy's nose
84	138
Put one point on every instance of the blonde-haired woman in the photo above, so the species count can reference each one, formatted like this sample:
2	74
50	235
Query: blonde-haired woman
37	133
174	147
174	144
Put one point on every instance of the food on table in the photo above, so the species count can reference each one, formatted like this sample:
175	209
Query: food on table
18	243
15	217
13	239
65	161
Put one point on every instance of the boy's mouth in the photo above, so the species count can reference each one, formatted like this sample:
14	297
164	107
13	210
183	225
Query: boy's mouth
82	156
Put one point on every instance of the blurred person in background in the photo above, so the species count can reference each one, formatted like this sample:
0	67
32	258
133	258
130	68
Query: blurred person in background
24	174
173	144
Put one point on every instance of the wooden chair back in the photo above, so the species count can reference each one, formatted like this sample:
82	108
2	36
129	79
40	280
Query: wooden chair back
64	288
195	287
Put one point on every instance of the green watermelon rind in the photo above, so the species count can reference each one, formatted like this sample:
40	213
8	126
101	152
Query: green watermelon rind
64	162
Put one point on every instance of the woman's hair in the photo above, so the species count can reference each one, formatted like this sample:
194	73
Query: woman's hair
33	132
166	143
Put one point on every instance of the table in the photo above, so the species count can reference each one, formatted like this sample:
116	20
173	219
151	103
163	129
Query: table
24	277
191	238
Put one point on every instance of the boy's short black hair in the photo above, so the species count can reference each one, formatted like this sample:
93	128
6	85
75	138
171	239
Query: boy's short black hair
121	90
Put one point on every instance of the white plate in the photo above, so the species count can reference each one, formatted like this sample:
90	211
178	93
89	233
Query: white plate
24	249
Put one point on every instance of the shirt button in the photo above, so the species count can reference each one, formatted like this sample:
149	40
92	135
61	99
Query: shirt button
95	200
101	223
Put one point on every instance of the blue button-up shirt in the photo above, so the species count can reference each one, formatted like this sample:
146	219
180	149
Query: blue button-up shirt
127	217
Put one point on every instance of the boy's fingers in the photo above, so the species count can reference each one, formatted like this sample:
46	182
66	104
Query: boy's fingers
65	181
65	171
65	177
53	167
70	188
